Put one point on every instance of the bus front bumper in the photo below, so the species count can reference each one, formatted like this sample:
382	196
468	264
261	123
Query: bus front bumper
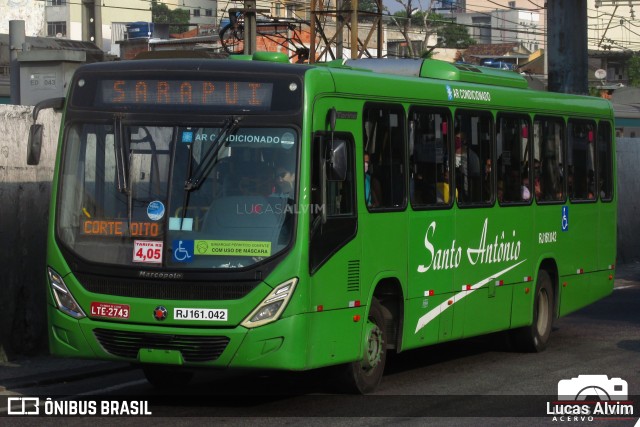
270	346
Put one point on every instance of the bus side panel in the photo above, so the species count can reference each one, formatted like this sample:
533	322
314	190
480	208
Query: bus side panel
497	297
428	321
601	284
607	233
336	336
592	253
487	271
521	308
575	292
433	254
580	249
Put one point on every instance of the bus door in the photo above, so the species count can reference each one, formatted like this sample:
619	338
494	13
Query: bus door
335	254
434	253
607	227
382	193
483	303
512	215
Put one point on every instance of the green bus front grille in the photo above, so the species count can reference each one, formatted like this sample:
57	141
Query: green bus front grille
194	348
185	290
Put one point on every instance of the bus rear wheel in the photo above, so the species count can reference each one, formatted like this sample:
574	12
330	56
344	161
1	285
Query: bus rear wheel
534	338
364	376
166	376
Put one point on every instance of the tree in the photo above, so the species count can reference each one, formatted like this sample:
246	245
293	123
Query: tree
450	34
403	20
177	18
634	70
454	36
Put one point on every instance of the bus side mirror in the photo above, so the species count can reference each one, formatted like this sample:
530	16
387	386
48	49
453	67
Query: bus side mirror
35	144
35	131
337	170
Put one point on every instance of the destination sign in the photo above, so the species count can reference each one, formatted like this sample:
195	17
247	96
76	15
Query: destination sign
221	93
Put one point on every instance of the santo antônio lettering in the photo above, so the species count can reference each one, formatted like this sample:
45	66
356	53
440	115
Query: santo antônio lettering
187	92
499	249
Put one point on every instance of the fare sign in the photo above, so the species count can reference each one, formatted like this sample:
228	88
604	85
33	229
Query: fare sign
114	311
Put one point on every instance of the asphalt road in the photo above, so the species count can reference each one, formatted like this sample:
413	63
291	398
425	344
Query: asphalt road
470	382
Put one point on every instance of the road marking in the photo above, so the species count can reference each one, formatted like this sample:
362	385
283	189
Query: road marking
624	287
113	388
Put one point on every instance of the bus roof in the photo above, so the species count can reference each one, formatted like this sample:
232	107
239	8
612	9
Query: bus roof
195	64
456	84
412	80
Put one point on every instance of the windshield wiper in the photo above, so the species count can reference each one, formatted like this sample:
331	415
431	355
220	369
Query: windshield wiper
195	180
209	160
122	167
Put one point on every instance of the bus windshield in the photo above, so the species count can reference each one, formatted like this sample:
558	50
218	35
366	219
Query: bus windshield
123	196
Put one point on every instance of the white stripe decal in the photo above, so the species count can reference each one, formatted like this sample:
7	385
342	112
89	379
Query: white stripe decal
428	317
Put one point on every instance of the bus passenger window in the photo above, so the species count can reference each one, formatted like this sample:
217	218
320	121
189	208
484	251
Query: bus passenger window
429	154
513	165
580	169
548	143
473	157
605	162
384	142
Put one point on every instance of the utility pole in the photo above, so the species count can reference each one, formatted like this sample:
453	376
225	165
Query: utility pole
354	30
250	34
339	34
567	46
17	40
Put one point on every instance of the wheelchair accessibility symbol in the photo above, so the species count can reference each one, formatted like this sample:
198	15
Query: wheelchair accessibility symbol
182	250
565	218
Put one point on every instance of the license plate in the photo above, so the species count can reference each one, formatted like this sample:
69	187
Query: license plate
206	314
114	311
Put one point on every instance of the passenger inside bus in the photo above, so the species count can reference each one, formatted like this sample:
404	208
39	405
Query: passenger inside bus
467	167
371	185
285	179
536	179
525	192
486	181
500	190
442	188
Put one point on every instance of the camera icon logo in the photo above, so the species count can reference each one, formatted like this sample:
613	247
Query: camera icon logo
593	387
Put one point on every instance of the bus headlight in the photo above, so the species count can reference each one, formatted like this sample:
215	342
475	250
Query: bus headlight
272	306
63	297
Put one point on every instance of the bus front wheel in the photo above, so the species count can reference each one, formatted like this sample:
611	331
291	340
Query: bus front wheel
364	376
534	338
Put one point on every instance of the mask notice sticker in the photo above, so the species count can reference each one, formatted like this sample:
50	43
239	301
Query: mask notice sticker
147	251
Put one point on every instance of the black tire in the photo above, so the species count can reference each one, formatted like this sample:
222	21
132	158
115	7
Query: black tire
166	376
534	338
364	376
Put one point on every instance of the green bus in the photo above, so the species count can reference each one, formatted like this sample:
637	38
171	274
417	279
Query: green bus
258	214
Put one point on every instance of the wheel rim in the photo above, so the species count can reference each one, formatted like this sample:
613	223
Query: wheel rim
374	348
543	312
